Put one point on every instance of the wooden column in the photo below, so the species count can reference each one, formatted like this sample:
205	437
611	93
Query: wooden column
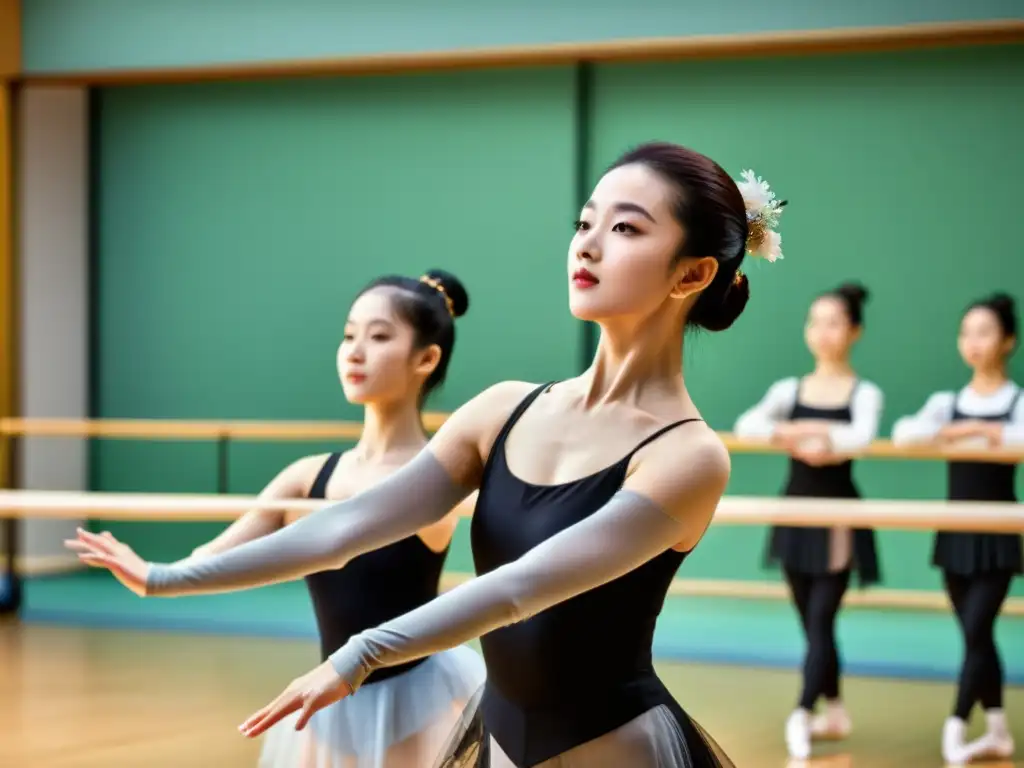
10	39
10	69
10	592
7	274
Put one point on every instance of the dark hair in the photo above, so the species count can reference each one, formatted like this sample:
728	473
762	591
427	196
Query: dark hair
430	310
853	297
1003	307
711	210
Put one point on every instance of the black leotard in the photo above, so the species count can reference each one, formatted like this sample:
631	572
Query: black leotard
807	550
965	553
582	668
372	588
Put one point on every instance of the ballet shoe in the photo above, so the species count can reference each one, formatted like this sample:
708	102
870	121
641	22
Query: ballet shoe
989	746
832	724
997	740
798	734
954	747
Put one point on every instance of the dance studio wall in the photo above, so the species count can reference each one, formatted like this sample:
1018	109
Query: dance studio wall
234	222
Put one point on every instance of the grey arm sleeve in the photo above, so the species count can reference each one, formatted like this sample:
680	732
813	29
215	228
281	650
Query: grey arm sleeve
420	493
627	532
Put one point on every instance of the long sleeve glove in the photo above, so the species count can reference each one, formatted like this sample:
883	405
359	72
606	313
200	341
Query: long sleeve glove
420	493
625	533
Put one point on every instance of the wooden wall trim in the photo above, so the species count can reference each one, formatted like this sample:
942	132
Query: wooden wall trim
8	283
10	592
805	42
10	39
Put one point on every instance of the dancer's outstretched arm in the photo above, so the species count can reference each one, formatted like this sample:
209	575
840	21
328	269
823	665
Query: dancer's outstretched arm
667	502
420	493
290	483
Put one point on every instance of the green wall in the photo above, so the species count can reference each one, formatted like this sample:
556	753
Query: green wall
235	222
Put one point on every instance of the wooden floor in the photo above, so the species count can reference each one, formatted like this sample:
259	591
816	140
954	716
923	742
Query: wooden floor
74	698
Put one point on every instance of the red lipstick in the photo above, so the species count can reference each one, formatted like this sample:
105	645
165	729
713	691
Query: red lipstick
583	279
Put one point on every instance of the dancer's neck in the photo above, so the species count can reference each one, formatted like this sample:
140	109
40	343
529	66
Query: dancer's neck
986	381
390	428
635	361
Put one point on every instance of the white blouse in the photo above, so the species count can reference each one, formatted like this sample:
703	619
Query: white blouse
777	405
938	412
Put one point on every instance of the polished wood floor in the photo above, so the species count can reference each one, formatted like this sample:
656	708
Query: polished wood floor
75	698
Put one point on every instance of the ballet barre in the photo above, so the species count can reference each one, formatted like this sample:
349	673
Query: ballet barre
1000	517
907	515
886	449
176	429
294	431
733	510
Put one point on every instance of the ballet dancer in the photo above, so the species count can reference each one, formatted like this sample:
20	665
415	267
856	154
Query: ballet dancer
398	342
592	491
977	568
821	419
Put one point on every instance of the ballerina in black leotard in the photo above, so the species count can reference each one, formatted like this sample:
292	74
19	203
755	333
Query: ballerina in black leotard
821	420
398	340
592	492
977	567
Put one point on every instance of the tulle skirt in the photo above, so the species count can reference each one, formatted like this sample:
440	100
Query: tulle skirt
399	722
662	737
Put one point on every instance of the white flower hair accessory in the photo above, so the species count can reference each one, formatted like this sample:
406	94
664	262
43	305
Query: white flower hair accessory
763	213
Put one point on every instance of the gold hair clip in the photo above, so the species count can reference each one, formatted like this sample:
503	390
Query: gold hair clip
738	277
439	287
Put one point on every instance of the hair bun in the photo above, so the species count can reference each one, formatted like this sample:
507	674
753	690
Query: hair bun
453	288
1003	301
854	292
716	313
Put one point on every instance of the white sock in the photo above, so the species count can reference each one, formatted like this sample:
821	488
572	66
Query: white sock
995	720
834	722
954	736
798	734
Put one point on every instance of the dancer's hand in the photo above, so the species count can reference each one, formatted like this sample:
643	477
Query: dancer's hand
102	550
790	434
817	455
787	434
968	428
309	693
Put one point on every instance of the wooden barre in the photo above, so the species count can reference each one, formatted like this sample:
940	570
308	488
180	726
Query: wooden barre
733	510
886	449
274	431
174	429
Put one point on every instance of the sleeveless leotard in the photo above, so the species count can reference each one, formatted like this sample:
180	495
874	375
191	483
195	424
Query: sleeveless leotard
818	551
966	553
372	588
583	668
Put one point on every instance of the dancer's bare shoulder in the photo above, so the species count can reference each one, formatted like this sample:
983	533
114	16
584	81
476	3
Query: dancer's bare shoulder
464	441
685	473
296	479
